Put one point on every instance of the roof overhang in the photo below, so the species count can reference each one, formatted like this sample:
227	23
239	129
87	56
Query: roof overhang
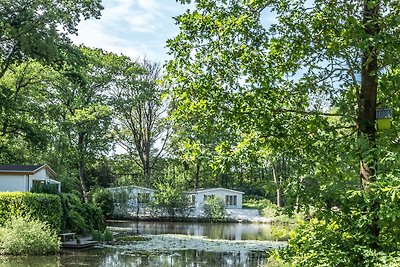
215	189
22	172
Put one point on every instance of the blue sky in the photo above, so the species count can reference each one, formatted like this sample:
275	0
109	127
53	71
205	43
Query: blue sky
136	28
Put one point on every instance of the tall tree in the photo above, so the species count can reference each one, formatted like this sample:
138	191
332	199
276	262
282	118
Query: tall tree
37	29
266	78
80	94
228	63
32	34
24	114
141	114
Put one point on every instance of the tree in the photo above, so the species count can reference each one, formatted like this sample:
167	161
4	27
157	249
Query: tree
142	127
37	29
23	112
32	34
296	80
80	97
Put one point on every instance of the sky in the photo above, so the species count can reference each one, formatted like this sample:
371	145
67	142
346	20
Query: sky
136	28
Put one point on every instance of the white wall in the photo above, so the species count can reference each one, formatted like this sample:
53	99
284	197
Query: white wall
218	193
40	175
12	183
132	193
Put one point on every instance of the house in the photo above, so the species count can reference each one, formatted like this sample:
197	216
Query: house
232	198
132	196
22	178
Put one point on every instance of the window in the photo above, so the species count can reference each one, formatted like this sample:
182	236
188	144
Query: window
143	198
192	200
208	197
231	200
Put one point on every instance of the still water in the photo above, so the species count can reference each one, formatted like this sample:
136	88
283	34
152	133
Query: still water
226	231
237	241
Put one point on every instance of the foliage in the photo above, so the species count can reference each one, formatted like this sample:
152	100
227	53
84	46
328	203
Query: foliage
103	199
214	209
293	85
171	200
140	112
108	236
96	235
120	198
80	217
342	237
105	236
79	91
45	188
259	204
27	236
46	22
31	205
33	36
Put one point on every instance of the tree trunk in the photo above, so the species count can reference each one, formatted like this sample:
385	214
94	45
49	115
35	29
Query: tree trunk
84	186
196	175
277	181
82	178
368	95
367	108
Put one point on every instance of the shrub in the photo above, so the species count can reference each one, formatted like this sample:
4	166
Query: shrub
80	217
94	217
45	188
76	223
26	236
347	235
96	235
260	204
214	209
105	236
43	207
103	199
108	236
171	200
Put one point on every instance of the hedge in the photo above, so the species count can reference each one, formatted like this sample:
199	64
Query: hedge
80	217
44	207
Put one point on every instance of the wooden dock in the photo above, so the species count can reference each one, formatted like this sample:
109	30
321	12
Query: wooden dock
79	243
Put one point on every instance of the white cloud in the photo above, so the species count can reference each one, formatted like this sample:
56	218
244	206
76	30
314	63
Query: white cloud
148	4
141	22
136	28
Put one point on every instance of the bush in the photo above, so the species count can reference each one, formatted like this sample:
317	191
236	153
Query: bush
214	209
43	207
105	236
96	235
171	200
108	236
26	236
259	204
45	188
362	231
94	217
80	217
103	199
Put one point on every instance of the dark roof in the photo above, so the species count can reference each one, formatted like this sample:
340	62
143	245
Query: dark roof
26	169
23	168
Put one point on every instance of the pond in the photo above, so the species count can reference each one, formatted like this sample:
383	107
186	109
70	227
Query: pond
170	244
228	231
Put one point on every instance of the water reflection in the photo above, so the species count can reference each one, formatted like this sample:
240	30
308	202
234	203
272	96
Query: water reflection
115	258
191	258
227	231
